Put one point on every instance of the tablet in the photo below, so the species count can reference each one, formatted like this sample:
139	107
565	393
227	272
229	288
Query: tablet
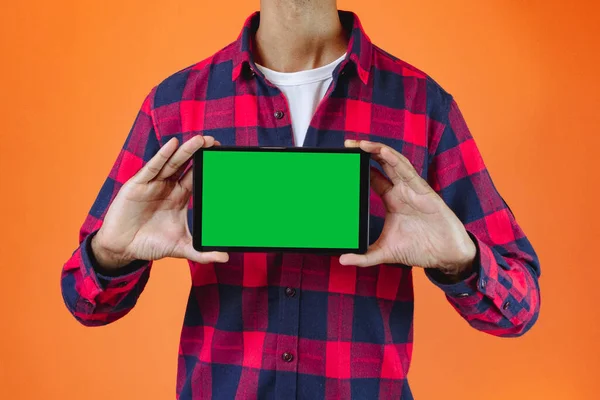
280	199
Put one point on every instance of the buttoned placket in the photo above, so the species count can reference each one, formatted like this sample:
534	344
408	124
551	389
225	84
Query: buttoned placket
289	312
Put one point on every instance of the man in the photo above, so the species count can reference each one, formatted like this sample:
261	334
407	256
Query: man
283	326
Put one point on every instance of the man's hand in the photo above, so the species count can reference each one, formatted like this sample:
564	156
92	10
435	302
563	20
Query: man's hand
419	229
147	220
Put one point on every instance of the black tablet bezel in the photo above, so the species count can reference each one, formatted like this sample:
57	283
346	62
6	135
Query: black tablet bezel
363	228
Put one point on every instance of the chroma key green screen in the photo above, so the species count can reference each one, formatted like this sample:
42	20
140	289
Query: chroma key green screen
280	199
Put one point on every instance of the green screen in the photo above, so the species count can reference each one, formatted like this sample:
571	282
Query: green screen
280	199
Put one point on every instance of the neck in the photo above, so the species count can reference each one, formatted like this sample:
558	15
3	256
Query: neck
296	35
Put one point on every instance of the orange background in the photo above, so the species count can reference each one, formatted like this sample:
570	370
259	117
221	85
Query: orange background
74	74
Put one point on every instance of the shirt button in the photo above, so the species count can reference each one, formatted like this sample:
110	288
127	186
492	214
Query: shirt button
463	295
278	114
290	292
287	357
248	73
506	305
482	283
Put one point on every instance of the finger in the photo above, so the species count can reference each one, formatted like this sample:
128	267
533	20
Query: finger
208	142
156	163
380	184
182	155
369	147
351	143
400	170
375	255
373	148
398	167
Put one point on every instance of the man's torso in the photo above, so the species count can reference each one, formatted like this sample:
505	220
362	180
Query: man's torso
298	325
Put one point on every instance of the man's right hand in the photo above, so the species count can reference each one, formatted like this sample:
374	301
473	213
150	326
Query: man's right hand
147	219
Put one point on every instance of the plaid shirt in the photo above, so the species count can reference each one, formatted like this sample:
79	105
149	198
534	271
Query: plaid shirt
283	326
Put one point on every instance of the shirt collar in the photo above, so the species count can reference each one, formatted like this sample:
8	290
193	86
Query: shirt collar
360	48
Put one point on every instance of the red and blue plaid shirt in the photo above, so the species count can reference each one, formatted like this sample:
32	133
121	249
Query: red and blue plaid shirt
284	326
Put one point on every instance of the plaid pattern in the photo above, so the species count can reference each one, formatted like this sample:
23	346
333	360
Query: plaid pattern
289	326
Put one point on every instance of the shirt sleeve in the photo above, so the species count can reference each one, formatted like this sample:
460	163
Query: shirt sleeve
502	296
91	296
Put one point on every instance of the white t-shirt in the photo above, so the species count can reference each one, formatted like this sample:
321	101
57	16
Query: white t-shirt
303	90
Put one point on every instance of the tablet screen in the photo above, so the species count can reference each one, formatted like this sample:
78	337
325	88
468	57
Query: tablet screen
292	198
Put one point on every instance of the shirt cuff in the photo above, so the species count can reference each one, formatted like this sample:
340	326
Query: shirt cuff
119	278
474	283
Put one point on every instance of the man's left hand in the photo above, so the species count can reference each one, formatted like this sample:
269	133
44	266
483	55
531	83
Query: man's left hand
419	228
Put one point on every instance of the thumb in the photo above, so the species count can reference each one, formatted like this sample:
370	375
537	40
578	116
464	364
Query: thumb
375	255
204	257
